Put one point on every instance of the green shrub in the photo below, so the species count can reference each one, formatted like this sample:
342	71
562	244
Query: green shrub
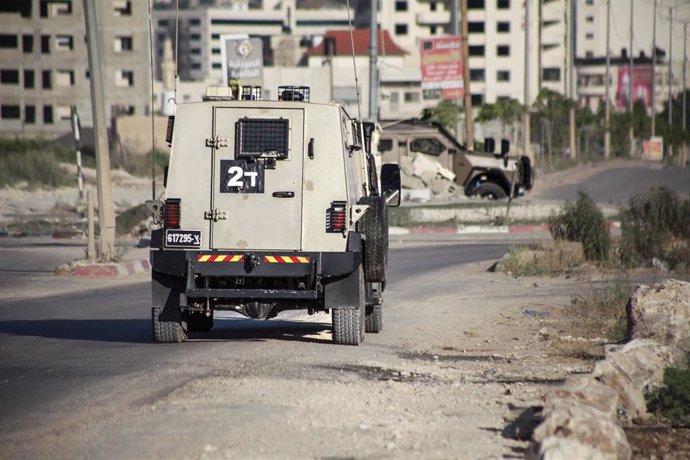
673	399
583	221
35	167
654	224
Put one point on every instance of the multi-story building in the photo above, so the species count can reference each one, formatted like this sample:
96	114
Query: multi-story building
591	47
44	64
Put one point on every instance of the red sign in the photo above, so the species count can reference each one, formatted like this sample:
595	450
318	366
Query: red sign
640	86
442	66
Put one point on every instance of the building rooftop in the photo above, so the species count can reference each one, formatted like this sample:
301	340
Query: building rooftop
360	37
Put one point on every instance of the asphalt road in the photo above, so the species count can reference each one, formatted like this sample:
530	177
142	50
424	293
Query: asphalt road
76	368
619	184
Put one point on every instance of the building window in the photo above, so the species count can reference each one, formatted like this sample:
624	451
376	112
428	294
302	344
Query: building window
476	50
124	78
45	44
475	4
163	22
503	75
215	50
477	100
428	146
64	43
195	51
195	36
52	8
30	114
401	29
401	5
194	22
28	79
589	36
122	7
477	75
503	50
216	65
9	41
502	27
411	96
9	77
501	5
475	27
589	19
589	2
432	30
48	114
196	66
589	54
17	7
551	74
123	43
10	112
47	80
432	6
28	44
64	78
215	36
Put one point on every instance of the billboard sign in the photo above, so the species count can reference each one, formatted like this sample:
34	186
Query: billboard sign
243	60
442	66
653	149
637	87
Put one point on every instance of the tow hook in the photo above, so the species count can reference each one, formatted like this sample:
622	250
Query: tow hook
251	261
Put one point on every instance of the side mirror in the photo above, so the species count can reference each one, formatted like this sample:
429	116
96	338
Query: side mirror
390	184
505	147
368	128
489	145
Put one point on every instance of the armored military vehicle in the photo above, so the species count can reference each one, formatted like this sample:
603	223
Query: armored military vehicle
487	174
270	206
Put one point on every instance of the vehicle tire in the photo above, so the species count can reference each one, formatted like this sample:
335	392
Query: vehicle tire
168	326
373	320
199	322
374	225
489	191
348	322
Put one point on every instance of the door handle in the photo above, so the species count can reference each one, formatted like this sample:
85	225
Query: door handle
284	194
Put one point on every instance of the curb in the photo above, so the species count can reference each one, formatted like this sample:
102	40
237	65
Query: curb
477	229
105	270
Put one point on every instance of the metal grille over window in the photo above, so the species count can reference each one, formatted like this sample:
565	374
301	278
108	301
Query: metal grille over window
261	138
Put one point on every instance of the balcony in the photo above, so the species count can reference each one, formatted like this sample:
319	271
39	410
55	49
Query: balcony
433	18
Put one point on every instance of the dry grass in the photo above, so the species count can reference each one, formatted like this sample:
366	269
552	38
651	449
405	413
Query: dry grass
601	312
551	258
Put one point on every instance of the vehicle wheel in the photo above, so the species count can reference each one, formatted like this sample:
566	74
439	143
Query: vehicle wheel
348	322
374	224
490	191
199	322
168	326
373	321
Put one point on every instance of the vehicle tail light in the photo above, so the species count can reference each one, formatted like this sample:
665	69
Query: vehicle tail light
171	213
336	217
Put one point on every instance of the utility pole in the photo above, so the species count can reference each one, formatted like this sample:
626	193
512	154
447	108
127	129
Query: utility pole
373	69
670	69
654	72
526	133
631	79
607	119
106	212
685	81
572	80
469	124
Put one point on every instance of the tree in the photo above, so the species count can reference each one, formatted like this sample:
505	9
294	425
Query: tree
445	113
507	111
551	110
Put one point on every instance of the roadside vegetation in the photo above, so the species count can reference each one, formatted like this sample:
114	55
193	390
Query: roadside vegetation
36	163
672	401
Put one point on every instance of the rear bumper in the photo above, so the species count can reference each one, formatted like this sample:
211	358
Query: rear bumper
270	264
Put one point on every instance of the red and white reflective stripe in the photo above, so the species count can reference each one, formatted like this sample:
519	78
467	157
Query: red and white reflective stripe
286	259
220	258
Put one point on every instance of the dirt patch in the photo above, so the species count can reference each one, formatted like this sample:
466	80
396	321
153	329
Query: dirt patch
663	442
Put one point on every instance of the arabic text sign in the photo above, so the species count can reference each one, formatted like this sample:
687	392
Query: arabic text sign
243	61
441	60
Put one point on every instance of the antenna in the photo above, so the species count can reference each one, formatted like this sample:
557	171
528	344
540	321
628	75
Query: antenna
354	65
153	131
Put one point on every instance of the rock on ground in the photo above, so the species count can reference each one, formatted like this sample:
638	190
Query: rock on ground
661	312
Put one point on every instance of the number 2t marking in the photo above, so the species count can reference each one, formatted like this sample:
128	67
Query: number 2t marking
237	174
